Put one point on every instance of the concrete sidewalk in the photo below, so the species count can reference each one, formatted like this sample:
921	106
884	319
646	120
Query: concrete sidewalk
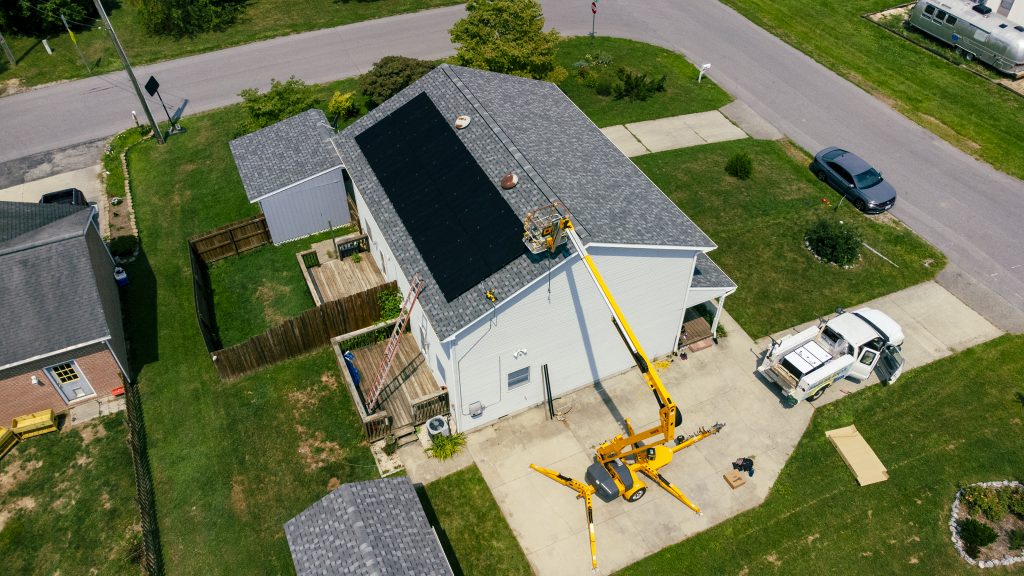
715	385
733	121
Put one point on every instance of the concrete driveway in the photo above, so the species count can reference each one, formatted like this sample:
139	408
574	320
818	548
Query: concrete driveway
85	179
715	385
935	324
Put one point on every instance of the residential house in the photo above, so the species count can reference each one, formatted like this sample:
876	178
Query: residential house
373	528
429	196
61	337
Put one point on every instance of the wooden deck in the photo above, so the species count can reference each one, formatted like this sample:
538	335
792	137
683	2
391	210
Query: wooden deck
417	381
696	332
339	278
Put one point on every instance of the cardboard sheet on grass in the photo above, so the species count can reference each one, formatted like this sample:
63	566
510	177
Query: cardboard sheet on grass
855	451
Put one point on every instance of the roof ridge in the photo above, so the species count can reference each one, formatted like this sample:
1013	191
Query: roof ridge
372	559
14	247
506	141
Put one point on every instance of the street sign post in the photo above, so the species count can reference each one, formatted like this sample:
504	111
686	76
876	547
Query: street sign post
153	87
593	16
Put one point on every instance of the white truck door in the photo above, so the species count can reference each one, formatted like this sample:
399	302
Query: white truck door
866	361
890	366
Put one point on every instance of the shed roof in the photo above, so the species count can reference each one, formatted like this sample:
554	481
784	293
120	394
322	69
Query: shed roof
284	154
49	299
367	528
530	128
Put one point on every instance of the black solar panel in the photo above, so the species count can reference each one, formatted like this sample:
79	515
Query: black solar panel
456	216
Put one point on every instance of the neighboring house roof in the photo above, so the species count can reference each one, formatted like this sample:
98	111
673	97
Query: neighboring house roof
284	154
49	299
530	128
366	528
707	274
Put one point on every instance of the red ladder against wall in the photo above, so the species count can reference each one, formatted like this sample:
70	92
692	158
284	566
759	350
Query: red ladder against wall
374	398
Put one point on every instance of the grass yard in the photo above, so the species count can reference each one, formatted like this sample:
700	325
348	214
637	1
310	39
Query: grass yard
261	20
759	226
231	461
915	82
682	95
75	486
259	289
940	427
472	527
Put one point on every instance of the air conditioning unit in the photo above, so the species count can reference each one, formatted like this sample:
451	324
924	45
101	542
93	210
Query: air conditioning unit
438	426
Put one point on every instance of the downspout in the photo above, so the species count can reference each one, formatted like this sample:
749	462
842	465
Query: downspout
718	315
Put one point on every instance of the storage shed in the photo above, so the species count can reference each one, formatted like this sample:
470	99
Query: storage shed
293	170
427	168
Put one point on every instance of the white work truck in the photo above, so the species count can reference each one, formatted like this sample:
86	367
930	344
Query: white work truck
850	345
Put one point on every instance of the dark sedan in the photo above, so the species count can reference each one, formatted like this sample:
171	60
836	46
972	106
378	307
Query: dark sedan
855	179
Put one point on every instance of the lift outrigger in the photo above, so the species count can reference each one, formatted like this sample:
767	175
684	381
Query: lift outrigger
619	462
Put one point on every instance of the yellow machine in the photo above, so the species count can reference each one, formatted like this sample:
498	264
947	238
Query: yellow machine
619	462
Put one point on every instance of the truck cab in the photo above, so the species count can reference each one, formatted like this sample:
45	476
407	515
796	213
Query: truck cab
851	345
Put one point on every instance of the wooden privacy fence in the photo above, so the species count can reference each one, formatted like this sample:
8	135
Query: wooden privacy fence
231	239
304	333
203	294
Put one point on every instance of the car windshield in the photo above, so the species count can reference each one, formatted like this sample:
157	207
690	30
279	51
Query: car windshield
868	178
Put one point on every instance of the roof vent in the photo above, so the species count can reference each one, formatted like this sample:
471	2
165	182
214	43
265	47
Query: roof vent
1019	28
981	9
509	181
1003	25
461	121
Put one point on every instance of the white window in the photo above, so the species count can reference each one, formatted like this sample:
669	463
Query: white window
517	378
67	378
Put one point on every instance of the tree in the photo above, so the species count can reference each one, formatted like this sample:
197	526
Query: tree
180	18
389	75
507	36
342	106
42	17
284	99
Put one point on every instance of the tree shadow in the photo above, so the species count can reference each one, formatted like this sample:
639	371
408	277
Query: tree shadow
138	302
1020	398
446	544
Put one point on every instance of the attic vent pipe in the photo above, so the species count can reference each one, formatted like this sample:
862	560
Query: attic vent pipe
461	121
509	181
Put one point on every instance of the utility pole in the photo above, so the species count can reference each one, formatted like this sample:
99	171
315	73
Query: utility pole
128	69
7	51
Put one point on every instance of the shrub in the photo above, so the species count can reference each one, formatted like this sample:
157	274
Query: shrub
1016	539
342	106
637	86
390	304
180	18
833	241
991	502
123	246
975	535
446	447
603	87
357	258
1016	501
284	99
740	165
389	76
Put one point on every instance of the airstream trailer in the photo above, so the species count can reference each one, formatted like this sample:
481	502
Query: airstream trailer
975	30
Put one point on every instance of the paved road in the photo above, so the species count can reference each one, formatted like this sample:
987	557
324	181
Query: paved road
967	209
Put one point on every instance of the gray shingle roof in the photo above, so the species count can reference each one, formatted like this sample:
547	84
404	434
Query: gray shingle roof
368	528
531	128
285	153
707	274
17	218
49	299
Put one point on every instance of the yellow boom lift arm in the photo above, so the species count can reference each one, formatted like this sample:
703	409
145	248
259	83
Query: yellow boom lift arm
619	461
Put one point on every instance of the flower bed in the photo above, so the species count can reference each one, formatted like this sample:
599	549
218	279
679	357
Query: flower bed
1006	520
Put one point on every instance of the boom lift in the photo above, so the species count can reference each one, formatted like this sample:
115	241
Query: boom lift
619	462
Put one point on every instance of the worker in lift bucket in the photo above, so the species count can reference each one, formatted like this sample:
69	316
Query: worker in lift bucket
744	465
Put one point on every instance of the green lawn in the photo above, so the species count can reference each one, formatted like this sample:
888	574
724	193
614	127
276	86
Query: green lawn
940	427
472	527
231	461
926	88
262	19
759	226
682	95
77	485
259	289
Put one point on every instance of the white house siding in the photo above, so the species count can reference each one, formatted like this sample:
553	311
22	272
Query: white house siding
307	207
565	324
434	355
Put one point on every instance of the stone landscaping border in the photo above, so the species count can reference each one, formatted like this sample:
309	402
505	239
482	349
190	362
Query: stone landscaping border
954	514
